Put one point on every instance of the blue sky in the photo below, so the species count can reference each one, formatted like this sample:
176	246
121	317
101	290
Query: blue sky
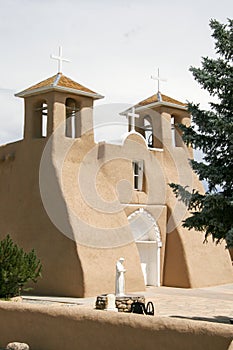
114	48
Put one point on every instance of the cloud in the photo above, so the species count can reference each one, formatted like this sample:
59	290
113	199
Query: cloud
132	32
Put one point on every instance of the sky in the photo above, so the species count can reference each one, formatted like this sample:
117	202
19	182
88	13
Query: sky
114	48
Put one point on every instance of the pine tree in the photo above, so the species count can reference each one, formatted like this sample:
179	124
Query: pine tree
212	133
16	268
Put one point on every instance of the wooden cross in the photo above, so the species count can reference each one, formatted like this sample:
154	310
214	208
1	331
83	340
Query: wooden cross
60	59
133	115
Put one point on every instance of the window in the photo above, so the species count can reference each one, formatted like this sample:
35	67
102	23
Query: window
138	174
71	118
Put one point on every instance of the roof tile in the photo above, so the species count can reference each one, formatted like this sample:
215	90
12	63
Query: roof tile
59	80
154	98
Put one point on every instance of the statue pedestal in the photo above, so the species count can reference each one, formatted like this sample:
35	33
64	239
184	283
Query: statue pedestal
122	303
110	304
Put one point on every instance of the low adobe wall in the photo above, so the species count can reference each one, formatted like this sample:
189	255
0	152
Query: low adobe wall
63	327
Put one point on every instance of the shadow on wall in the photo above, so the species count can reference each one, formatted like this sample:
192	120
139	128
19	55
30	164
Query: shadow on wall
217	319
175	266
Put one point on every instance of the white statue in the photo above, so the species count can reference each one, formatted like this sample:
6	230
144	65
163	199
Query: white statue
120	278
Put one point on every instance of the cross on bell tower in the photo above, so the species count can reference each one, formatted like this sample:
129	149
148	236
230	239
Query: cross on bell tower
158	79
60	59
132	115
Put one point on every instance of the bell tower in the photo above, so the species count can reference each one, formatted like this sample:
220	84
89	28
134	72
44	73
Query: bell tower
57	100
159	116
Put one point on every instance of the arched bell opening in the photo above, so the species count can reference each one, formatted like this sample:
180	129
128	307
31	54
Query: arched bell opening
72	118
40	120
151	129
148	131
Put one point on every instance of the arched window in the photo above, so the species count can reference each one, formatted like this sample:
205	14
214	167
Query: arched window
40	120
148	131
71	118
151	129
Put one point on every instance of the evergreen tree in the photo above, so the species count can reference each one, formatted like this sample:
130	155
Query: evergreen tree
212	133
16	268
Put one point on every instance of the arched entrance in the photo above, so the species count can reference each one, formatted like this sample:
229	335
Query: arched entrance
147	237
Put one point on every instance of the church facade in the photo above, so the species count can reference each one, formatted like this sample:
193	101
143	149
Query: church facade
83	205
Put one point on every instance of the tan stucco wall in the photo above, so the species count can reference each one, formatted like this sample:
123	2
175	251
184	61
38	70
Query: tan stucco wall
72	264
23	216
69	268
97	221
189	262
72	207
59	327
99	266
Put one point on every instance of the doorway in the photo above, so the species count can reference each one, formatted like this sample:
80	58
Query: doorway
147	237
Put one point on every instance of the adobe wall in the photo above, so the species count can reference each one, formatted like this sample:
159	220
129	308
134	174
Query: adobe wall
96	215
60	327
81	228
188	262
77	243
23	217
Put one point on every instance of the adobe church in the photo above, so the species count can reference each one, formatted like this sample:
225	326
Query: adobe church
82	205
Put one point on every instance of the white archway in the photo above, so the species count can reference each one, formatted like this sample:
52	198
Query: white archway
147	237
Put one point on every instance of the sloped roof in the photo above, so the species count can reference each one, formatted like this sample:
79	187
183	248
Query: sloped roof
156	100
59	82
164	98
